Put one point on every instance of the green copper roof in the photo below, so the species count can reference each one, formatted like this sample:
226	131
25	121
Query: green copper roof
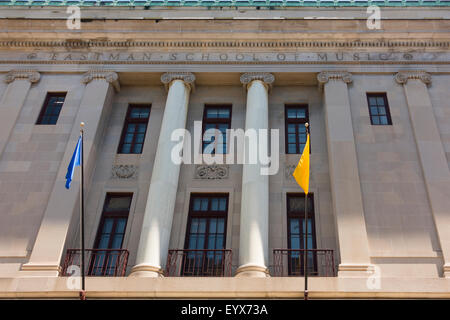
227	3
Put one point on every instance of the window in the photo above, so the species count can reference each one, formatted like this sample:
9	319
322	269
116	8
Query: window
216	117
134	129
296	231
110	234
295	118
51	108
206	233
379	109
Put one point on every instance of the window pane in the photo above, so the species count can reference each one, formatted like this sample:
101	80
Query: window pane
215	204
212	225
291	128
223	204
220	225
374	111
376	120
380	101
381	111
292	148
301	113
291	113
373	101
118	203
383	120
51	108
194	225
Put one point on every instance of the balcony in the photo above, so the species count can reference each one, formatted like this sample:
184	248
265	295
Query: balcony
99	262
290	263
199	263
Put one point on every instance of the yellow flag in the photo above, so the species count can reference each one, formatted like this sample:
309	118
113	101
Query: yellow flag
301	172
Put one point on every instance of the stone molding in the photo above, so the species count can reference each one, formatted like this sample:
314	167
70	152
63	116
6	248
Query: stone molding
212	172
402	77
266	77
187	77
31	75
223	44
124	171
107	75
325	76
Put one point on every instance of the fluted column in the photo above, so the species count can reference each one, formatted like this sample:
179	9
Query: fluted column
344	175
12	101
158	216
431	154
94	111
254	227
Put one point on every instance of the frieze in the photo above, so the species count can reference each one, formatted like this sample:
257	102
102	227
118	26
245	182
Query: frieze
153	57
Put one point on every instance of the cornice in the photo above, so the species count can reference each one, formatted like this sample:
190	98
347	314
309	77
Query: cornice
31	75
108	76
81	44
403	76
187	77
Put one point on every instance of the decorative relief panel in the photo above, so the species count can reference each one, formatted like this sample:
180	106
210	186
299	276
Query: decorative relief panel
124	171
289	170
211	172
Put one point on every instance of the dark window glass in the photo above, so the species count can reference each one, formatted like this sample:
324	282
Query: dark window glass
51	108
296	234
379	109
206	230
295	118
110	234
216	118
134	129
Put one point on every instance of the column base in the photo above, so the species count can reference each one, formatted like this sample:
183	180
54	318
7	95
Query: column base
447	271
356	270
142	270
252	271
40	270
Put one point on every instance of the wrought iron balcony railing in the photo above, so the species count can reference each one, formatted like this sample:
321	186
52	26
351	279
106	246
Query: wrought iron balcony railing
98	262
199	263
228	3
290	262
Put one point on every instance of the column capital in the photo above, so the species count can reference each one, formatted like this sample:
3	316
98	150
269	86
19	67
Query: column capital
107	75
325	76
31	75
187	77
266	77
402	77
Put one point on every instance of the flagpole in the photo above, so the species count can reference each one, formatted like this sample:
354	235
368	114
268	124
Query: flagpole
305	256
83	276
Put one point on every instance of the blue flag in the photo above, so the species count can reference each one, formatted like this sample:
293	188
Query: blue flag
76	161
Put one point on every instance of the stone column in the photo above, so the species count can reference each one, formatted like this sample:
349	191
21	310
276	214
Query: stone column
254	228
94	111
156	228
13	100
431	154
344	175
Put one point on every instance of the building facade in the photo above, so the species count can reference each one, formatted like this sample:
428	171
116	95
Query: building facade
377	102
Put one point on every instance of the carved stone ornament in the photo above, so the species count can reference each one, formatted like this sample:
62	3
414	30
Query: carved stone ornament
108	76
31	75
211	172
289	170
402	76
187	77
325	76
266	77
124	171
